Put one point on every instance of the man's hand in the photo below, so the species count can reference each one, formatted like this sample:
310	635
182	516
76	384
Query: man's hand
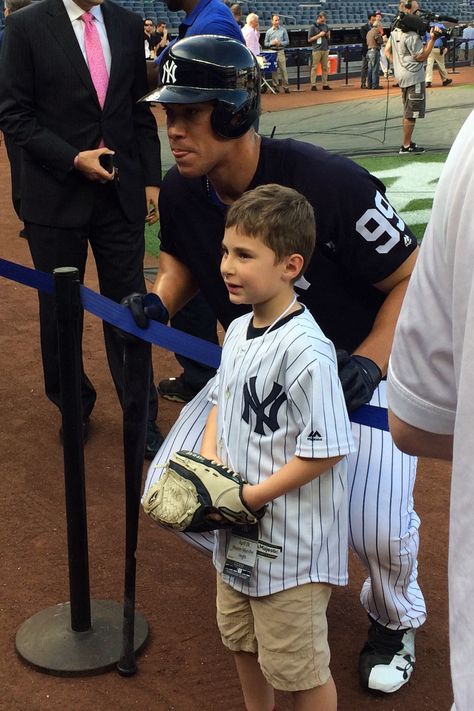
359	378
152	193
88	163
144	307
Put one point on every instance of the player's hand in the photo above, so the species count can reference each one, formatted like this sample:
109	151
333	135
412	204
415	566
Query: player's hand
252	498
359	378
88	163
144	307
152	194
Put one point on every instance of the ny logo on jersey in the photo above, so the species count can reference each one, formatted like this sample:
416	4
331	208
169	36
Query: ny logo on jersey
169	72
273	401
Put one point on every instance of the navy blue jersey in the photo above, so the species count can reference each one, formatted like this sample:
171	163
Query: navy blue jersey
360	239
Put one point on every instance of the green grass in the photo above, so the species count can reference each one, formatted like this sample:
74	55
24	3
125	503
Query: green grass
378	163
152	241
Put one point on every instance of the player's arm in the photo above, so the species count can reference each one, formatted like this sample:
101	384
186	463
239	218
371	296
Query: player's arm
293	475
378	344
418	442
174	283
388	50
173	288
209	437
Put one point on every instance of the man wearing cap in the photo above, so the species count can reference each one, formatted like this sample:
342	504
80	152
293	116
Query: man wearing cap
355	283
211	17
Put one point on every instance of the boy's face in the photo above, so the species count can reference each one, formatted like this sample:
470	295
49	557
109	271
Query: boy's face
196	149
250	270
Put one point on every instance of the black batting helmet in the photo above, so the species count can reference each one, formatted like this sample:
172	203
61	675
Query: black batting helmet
212	68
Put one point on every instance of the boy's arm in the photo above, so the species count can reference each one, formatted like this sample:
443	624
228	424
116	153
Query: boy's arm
209	437
293	475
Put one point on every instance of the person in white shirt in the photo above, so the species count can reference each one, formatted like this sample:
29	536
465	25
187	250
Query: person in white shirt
251	34
431	382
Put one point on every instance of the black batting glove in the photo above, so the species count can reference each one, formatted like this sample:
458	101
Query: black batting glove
359	377
144	307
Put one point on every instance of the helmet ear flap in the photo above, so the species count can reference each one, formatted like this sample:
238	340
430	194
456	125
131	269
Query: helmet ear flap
230	122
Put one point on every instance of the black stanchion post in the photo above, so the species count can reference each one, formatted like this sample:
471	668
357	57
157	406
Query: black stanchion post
81	636
136	388
68	306
346	59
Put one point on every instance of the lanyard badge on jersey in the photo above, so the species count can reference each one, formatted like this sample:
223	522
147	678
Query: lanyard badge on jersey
242	541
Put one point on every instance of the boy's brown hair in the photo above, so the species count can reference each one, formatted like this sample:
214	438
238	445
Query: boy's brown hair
281	217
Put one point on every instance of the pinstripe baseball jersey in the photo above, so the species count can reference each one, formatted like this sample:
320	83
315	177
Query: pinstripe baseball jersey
278	395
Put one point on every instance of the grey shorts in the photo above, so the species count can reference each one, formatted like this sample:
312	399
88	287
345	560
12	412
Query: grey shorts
414	101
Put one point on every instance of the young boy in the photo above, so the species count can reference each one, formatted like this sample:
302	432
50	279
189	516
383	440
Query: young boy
279	419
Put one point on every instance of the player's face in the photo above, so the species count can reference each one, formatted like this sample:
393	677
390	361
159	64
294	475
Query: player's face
197	150
252	275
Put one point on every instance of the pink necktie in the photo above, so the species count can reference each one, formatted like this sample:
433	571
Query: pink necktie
95	57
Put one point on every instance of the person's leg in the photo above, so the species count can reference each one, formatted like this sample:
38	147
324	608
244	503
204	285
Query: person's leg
370	68
50	248
186	433
383	531
257	692
314	67
276	80
293	651
376	70
236	625
119	248
408	128
320	698
442	67
281	59
363	72
324	67
429	68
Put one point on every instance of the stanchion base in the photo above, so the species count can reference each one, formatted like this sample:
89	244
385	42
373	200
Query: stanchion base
47	642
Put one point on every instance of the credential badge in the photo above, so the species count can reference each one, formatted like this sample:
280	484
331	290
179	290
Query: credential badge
169	72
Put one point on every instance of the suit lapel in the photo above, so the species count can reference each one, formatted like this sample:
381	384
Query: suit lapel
114	35
61	28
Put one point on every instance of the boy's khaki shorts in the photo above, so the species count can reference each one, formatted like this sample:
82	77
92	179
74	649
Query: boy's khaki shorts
287	630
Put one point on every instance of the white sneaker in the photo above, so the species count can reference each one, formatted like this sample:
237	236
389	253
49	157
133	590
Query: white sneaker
387	660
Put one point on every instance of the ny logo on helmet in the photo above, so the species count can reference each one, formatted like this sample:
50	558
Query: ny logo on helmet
169	72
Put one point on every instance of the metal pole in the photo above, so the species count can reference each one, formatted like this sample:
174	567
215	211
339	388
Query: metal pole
68	314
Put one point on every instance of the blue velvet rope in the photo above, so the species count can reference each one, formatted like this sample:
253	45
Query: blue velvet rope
169	338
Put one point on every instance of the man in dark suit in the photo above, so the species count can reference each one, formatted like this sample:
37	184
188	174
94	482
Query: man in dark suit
14	154
65	122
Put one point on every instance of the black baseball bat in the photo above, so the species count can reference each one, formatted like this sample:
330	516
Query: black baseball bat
136	386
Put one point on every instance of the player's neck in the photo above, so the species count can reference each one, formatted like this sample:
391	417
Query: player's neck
231	178
268	312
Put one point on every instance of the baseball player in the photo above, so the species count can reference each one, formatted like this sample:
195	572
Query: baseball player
278	418
354	285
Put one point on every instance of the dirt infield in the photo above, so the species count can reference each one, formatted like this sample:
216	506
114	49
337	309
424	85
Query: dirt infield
184	667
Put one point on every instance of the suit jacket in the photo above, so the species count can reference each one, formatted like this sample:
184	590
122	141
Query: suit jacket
48	105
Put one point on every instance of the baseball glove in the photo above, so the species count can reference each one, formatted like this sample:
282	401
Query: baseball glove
193	488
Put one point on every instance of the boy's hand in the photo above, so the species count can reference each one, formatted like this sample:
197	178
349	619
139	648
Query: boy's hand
252	497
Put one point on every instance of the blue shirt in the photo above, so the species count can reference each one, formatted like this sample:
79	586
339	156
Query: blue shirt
209	17
440	42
